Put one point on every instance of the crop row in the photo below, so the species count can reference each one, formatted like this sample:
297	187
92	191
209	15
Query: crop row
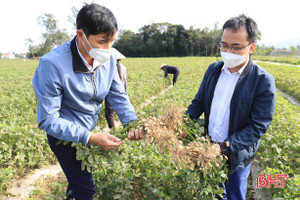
24	146
280	59
280	148
287	78
191	72
143	171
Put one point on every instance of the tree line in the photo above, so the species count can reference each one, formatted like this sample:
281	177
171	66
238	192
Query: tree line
165	39
154	40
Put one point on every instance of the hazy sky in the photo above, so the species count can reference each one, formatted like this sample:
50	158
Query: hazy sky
277	20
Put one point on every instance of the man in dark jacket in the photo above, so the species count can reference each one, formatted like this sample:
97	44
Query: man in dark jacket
170	70
238	99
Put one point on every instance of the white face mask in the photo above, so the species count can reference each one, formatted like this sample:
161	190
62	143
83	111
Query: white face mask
100	55
232	60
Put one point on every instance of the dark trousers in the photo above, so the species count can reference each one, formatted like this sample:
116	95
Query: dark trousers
109	115
81	184
175	76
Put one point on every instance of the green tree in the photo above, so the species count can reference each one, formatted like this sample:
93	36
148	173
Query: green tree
152	37
168	40
32	50
294	50
215	35
129	43
52	37
165	39
205	41
181	41
269	50
72	18
194	42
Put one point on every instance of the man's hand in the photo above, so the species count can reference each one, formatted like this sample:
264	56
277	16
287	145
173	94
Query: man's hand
105	141
135	134
219	149
225	148
183	134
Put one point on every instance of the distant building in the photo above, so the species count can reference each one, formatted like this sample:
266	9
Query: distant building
8	56
282	51
23	55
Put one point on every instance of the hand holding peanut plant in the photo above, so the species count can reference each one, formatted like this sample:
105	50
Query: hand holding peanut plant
105	141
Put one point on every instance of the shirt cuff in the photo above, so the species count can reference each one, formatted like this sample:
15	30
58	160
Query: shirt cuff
86	137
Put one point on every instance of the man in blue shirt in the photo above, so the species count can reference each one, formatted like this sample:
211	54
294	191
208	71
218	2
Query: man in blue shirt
238	100
70	84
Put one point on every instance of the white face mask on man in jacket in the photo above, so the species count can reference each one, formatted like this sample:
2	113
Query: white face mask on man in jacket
101	55
232	60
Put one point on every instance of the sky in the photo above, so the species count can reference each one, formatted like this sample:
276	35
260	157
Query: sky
277	20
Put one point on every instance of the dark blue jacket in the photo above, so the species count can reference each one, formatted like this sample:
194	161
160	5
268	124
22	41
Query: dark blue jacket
170	70
251	109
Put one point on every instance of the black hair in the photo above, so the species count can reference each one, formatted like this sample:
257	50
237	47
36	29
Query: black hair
94	19
240	21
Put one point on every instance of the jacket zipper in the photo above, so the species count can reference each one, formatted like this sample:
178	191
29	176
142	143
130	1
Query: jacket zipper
93	97
229	128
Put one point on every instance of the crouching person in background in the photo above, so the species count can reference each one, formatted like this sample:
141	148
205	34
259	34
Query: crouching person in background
170	70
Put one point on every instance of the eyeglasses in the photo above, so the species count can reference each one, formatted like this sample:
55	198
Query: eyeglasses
226	47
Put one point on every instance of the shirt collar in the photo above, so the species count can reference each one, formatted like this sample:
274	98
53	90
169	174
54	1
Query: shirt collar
78	64
95	62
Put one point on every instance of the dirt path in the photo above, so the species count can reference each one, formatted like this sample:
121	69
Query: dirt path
21	188
259	193
291	99
276	63
148	101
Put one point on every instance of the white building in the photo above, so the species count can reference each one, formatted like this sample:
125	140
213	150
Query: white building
8	56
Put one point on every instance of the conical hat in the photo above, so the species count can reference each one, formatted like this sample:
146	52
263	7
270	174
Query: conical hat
119	56
162	64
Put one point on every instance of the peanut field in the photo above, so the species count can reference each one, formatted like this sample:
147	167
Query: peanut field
148	169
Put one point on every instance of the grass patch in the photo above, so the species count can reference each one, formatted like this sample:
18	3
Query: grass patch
50	187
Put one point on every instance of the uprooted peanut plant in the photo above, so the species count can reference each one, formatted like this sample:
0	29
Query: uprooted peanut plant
175	160
167	130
